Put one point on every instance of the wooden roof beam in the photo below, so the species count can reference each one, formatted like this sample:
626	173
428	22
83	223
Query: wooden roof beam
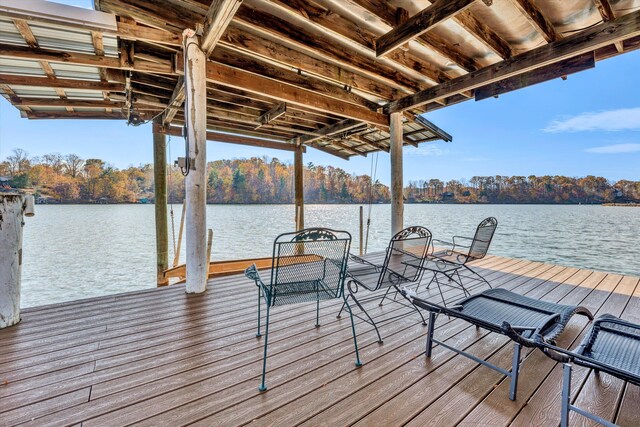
25	32
230	139
605	9
588	40
249	82
60	83
87	115
277	111
439	11
218	17
484	34
537	19
52	102
332	129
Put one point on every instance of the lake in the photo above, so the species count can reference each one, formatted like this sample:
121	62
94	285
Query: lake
80	251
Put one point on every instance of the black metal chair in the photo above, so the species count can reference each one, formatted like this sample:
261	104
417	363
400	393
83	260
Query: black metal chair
308	265
611	345
461	251
491	309
402	265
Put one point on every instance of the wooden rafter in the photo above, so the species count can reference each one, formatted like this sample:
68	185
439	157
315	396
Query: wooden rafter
52	102
25	32
216	20
605	9
439	11
60	83
484	34
231	139
537	19
332	129
586	41
274	113
250	82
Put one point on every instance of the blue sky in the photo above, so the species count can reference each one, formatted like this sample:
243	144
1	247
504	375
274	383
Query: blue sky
586	125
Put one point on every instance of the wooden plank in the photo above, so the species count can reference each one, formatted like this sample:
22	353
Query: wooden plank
77	115
437	12
25	32
216	20
332	129
250	82
124	63
52	102
537	19
585	41
605	9
559	69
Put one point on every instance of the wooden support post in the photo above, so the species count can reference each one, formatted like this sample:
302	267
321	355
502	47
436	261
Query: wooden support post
361	229
195	76
395	150
13	207
299	187
160	190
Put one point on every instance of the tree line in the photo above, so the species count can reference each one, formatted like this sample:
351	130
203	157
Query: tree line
71	179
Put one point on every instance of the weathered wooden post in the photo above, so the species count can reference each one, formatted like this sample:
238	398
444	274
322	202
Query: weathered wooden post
195	79
13	208
395	150
299	187
160	186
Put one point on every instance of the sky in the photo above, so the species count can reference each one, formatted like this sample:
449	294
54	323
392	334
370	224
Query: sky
588	124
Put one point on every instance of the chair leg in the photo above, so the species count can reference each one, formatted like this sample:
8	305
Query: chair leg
432	321
366	314
566	395
459	281
263	386
318	311
478	275
435	276
259	302
385	295
343	306
424	322
515	368
353	330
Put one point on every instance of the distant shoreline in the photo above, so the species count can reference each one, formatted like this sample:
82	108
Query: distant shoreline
76	203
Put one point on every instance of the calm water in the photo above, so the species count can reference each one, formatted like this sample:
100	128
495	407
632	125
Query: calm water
72	252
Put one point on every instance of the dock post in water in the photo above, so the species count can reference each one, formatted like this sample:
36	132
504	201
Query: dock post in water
397	201
13	208
298	170
195	77
160	191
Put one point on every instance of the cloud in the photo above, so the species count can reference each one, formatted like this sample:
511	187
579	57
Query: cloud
613	120
615	149
428	150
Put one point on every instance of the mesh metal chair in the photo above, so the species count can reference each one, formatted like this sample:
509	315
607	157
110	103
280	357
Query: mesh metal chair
402	265
612	345
309	265
461	251
493	308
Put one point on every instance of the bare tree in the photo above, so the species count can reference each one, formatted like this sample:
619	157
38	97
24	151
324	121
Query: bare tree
18	161
73	164
54	160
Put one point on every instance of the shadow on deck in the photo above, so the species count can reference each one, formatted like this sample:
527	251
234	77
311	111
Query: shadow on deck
161	357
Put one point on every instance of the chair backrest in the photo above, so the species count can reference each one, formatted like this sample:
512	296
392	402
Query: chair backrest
482	239
405	257
306	259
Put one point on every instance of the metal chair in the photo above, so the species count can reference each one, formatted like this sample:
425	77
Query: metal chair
402	265
308	265
611	345
461	251
495	308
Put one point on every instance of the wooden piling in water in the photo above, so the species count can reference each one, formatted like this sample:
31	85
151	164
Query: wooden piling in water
160	191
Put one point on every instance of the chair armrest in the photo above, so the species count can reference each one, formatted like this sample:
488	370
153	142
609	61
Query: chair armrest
252	273
442	242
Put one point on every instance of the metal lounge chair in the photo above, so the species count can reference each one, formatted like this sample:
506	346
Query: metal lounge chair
402	265
308	265
491	309
461	251
611	345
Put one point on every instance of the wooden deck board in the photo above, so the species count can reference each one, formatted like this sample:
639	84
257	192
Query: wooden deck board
161	357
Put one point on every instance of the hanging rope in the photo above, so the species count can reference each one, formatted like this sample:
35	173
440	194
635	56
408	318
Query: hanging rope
372	175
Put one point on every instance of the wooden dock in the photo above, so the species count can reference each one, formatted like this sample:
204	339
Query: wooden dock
161	357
